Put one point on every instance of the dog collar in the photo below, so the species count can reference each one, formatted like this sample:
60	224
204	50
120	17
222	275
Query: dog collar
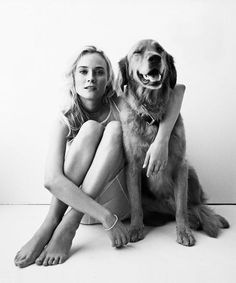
148	118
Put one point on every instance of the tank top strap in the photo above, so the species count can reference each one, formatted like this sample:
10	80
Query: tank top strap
115	109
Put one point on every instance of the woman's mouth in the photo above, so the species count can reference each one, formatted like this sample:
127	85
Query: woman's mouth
91	87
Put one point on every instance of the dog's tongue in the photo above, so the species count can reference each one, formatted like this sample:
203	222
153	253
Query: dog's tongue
152	78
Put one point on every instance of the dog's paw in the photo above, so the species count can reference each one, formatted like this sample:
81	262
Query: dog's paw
185	236
136	233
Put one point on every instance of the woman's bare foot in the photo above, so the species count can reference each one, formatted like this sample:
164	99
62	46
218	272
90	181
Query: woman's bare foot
58	249
32	249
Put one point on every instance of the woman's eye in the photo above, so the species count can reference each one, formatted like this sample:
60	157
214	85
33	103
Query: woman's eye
100	72
83	72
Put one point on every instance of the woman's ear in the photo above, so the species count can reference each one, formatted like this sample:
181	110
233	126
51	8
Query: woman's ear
122	78
172	70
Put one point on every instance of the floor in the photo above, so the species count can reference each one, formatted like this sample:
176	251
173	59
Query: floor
158	258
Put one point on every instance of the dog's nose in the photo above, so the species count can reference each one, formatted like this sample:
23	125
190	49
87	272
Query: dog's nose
154	59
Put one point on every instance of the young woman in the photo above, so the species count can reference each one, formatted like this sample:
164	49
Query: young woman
85	163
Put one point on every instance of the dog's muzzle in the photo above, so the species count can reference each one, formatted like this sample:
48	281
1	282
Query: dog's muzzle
153	78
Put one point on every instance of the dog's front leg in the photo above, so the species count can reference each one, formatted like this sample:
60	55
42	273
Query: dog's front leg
134	188
184	233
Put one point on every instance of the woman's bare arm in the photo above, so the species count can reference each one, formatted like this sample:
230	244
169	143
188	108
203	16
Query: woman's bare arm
157	154
173	110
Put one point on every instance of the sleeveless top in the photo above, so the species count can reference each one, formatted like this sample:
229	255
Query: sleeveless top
113	114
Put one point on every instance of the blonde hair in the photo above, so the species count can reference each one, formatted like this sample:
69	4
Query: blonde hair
75	115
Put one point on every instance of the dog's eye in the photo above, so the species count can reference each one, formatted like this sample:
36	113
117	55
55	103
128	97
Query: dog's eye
136	52
159	49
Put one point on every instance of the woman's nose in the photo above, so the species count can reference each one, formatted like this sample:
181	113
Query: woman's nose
91	77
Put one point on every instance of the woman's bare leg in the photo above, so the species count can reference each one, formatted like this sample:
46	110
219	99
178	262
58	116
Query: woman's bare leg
30	251
107	162
85	150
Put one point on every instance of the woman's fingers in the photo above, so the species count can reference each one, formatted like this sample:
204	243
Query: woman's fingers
118	243
125	236
150	169
146	161
154	168
119	235
121	241
122	238
113	244
163	165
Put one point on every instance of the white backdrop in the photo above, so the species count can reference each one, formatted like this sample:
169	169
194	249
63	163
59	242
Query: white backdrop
39	41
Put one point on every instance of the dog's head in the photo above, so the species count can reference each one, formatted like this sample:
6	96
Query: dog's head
147	65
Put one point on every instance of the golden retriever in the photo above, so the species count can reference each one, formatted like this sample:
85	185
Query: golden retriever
146	78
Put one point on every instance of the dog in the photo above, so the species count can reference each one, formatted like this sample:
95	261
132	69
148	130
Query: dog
145	83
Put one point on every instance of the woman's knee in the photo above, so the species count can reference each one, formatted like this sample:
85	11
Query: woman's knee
113	134
90	131
92	127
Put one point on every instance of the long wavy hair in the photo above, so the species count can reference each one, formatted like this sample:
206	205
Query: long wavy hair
75	114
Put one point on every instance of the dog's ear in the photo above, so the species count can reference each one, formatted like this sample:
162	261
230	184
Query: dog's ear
122	78
172	71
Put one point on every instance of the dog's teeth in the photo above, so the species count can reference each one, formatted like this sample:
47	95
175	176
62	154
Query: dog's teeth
154	79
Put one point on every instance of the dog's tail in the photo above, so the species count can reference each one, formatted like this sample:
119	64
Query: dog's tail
201	217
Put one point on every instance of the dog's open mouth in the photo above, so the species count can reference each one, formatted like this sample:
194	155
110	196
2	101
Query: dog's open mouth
153	78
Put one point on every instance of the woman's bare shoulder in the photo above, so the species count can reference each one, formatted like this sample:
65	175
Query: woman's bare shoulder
59	128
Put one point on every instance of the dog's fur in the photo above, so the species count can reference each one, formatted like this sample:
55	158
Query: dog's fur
147	77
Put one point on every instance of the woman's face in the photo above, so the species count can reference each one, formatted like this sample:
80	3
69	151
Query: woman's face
91	77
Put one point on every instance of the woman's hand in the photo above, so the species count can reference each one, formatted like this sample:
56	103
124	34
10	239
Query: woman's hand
118	233
156	157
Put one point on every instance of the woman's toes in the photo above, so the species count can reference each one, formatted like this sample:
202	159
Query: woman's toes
50	261
40	259
62	259
20	261
17	256
45	262
56	260
17	259
24	263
